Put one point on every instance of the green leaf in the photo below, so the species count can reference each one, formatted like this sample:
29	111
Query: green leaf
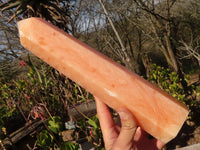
45	140
55	124
5	94
69	146
35	69
92	123
82	124
21	84
154	76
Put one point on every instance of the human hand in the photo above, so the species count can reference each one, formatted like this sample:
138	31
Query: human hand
128	136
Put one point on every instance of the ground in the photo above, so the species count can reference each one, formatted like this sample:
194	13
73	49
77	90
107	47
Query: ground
190	132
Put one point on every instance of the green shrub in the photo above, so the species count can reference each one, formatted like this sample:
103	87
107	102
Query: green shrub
45	139
170	82
45	94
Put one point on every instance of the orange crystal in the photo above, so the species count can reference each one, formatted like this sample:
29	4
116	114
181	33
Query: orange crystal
156	112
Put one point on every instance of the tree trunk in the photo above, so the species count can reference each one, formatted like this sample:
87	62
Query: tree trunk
171	54
126	59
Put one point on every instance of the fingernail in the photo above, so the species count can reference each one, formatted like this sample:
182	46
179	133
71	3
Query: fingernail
127	119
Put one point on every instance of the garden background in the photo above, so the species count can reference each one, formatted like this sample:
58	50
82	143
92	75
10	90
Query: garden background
157	39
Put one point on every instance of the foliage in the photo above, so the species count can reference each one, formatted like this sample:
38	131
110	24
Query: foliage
43	93
171	83
55	124
45	139
91	129
46	94
38	96
7	107
95	132
69	146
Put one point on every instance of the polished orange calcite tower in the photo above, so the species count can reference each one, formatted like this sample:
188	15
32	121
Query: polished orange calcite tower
156	112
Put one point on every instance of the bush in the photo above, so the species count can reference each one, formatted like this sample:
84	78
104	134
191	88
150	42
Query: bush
46	94
170	82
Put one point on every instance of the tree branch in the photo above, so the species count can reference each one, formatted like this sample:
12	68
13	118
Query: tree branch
115	31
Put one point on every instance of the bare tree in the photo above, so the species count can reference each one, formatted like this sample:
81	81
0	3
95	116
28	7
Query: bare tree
125	57
191	50
10	45
159	17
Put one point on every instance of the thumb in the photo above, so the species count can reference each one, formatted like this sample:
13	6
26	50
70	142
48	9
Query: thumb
128	129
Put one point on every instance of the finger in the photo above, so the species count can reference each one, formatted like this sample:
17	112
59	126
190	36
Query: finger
159	144
140	135
107	123
128	128
142	141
